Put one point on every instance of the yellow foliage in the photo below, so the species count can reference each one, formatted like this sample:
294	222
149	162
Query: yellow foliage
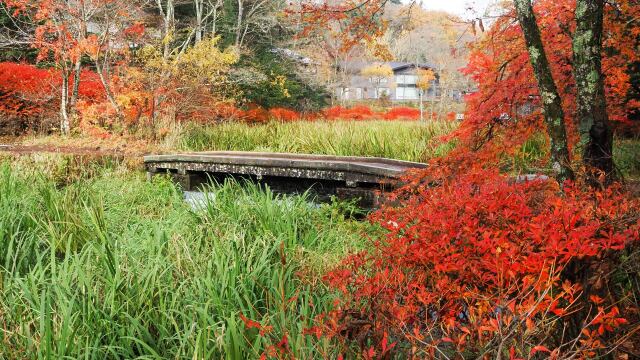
378	70
202	62
205	61
280	82
425	77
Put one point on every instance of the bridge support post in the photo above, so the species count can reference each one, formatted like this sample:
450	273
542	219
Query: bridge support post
186	181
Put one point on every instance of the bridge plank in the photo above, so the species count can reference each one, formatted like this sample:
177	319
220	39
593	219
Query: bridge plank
378	167
365	178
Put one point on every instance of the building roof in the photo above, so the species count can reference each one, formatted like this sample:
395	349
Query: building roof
357	66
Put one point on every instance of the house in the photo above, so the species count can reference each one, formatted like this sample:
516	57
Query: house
401	87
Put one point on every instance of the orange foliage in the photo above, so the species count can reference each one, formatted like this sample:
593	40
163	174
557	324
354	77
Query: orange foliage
362	112
402	113
506	109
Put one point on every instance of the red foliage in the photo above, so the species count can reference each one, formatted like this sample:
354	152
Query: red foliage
481	259
24	90
30	91
362	112
284	115
404	113
506	108
256	115
359	112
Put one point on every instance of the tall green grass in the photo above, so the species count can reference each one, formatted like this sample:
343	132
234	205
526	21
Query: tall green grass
626	154
110	266
403	140
531	157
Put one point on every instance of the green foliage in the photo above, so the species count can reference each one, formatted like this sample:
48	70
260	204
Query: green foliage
626	155
113	266
280	82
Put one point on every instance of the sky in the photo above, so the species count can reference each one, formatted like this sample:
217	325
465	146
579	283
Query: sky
458	7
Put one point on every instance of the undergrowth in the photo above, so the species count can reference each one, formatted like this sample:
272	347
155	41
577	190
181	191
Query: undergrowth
108	265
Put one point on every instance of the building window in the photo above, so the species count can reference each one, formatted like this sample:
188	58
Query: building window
359	93
378	80
406	79
406	93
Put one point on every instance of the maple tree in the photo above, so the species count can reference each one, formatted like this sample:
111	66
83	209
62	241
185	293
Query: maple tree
504	112
62	36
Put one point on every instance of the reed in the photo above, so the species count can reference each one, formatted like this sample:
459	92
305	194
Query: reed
113	266
405	140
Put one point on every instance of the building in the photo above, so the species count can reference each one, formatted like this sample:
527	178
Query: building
401	87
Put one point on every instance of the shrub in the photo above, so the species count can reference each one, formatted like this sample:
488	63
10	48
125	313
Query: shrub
284	115
256	115
482	266
404	113
359	112
29	94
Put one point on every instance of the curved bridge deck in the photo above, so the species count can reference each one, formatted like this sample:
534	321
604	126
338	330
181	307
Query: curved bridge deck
325	175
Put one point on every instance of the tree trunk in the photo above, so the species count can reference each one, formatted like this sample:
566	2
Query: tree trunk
76	84
596	136
169	27
199	4
65	125
421	105
239	22
552	105
100	69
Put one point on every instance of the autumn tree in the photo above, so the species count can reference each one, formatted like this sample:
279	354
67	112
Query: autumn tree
187	79
424	82
61	35
505	108
379	74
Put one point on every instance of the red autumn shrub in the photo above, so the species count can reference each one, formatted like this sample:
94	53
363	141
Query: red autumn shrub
481	265
359	112
25	90
255	115
284	115
28	93
362	112
402	113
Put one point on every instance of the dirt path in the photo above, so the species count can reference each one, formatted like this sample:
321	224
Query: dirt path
20	149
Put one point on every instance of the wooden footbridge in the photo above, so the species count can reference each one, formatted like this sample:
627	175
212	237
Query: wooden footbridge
345	177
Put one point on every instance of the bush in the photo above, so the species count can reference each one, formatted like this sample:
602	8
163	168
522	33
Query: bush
482	266
284	115
405	113
29	94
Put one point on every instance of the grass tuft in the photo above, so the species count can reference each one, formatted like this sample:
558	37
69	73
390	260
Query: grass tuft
113	266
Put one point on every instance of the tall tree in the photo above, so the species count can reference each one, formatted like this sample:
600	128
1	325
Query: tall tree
551	101
596	137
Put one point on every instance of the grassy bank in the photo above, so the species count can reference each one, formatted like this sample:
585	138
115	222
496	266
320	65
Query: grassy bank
404	140
108	265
